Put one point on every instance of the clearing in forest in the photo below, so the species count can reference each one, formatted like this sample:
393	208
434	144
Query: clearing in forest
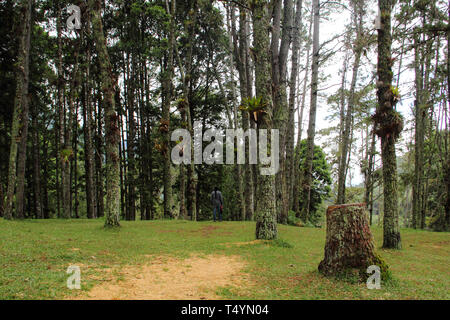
174	259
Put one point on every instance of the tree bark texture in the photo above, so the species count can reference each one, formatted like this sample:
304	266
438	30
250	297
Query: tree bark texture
349	247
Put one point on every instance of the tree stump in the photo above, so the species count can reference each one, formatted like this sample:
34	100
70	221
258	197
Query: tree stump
349	247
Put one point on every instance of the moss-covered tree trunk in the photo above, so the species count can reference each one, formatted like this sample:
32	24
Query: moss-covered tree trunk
20	113
280	48
112	135
266	219
22	156
389	124
349	247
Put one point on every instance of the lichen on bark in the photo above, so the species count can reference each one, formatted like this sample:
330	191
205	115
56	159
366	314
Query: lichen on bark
388	123
112	135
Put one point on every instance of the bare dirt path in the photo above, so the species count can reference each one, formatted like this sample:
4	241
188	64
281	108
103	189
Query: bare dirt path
166	278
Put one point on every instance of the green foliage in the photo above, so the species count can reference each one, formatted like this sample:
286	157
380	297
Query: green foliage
292	219
253	104
395	92
435	180
320	189
66	154
354	194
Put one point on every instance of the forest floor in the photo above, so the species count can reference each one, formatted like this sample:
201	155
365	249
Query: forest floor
201	260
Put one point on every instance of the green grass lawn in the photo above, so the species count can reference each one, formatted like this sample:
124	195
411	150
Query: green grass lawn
35	254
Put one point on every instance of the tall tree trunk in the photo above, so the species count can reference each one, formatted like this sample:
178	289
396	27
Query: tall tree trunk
419	107
36	165
182	194
74	164
342	104
123	166
63	151
241	60
146	153
249	72
186	73
312	113
19	126
368	175
290	155
247	86
45	178
447	165
266	215
99	177
165	120
281	112
57	132
238	168
358	15
68	152
427	120
183	211
298	174
112	134
91	201
2	197
192	179
389	125
151	210
133	35
22	156
131	136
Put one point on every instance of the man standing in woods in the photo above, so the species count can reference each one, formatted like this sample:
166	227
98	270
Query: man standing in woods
217	202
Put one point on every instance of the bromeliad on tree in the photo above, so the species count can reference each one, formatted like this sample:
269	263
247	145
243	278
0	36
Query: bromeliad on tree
164	126
66	154
255	107
389	122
